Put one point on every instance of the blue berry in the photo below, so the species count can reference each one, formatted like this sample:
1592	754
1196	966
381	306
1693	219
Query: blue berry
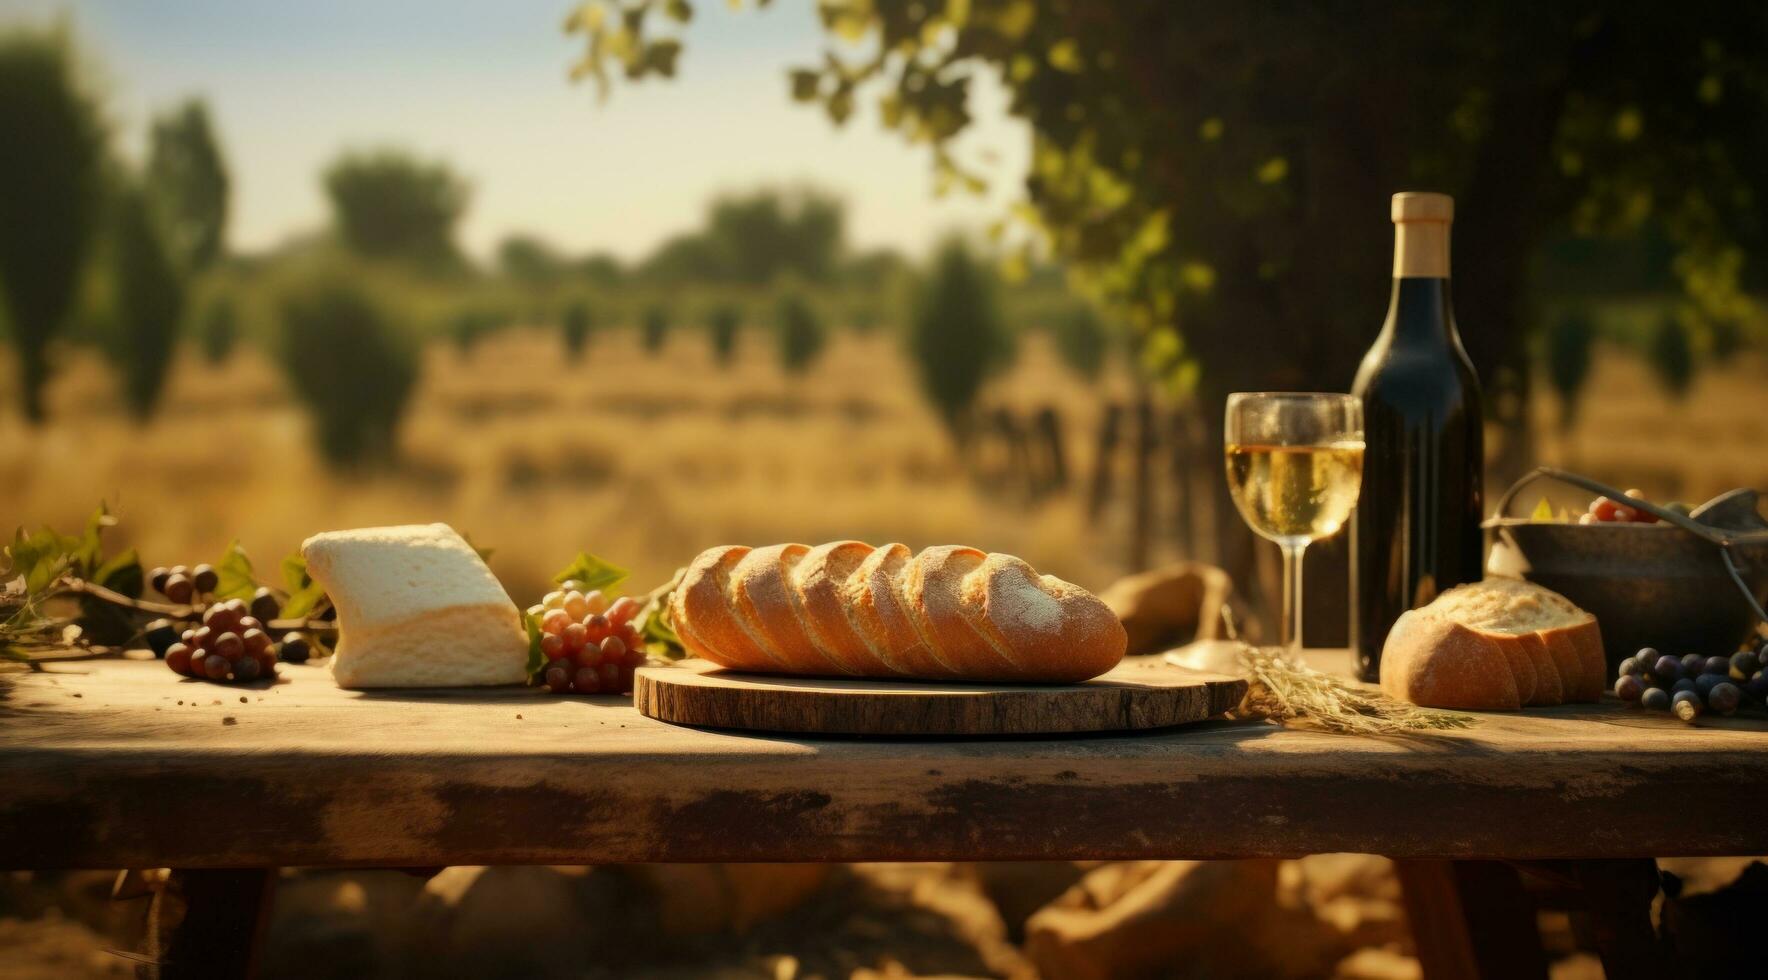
1724	698
1717	665
1655	698
1743	664
1682	685
1629	687
1693	664
1631	667
1667	669
1704	684
1686	705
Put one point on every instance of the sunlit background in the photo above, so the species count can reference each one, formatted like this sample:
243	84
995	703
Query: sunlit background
332	264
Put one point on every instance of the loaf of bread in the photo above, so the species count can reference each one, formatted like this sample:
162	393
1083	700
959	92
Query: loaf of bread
416	608
1497	645
847	608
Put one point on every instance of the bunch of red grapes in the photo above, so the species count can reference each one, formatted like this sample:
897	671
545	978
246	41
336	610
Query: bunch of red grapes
590	644
230	645
232	642
1607	510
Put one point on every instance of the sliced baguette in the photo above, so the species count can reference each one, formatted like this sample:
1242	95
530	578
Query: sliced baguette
1550	649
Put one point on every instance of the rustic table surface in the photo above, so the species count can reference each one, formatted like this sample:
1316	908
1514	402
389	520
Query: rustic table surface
111	764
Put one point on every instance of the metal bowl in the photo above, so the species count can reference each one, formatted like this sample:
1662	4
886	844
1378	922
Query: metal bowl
1647	584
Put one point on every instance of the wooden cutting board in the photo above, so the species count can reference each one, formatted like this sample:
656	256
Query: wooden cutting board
1140	693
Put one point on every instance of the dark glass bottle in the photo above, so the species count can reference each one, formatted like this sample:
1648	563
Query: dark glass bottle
1416	530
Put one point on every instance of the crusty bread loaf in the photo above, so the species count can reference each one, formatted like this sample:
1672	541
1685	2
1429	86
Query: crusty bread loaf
1500	644
949	613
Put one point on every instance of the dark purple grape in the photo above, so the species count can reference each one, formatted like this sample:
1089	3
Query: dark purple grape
295	649
1704	684
1693	664
1682	685
157	578
204	578
1667	669
1631	667
160	635
1724	698
247	669
215	666
558	680
1758	686
178	589
1717	665
1655	698
1686	705
1629	687
264	605
1744	664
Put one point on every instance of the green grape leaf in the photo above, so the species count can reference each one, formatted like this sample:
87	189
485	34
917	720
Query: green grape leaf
655	627
294	573
103	622
592	573
305	595
536	659
122	573
237	580
1543	511
39	558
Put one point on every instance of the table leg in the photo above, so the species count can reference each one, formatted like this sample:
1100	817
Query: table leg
226	914
1610	904
1471	920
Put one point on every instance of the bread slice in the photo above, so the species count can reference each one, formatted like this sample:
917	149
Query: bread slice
704	619
1550	650
817	581
761	591
417	607
879	611
1060	631
934	581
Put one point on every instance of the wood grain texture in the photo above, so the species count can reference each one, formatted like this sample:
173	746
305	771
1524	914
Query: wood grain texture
1146	693
107	764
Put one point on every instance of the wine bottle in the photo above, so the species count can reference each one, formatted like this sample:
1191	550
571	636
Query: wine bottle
1416	530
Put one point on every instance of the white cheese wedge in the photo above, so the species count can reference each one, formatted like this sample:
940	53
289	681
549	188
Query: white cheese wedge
417	607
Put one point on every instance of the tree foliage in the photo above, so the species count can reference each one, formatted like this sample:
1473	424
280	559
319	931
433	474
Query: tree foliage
1568	361
799	332
1671	354
574	328
529	259
351	363
188	180
755	238
50	174
1081	340
956	336
150	294
654	329
389	204
218	331
722	324
1221	169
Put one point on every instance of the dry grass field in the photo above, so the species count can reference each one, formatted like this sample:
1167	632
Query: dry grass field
647	460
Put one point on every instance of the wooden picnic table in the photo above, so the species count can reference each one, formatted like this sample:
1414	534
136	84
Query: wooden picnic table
119	764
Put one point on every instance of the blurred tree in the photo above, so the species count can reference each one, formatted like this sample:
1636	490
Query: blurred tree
149	299
655	328
599	269
800	333
1568	361
219	330
956	337
188	181
574	327
723	322
1221	169
875	270
351	363
529	259
757	237
50	176
1081	340
388	204
1672	357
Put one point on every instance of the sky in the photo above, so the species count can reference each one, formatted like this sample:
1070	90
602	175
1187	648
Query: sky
485	87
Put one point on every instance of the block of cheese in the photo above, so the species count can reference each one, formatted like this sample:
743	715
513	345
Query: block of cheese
417	607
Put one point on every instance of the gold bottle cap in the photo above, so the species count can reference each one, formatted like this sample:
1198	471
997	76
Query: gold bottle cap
1423	206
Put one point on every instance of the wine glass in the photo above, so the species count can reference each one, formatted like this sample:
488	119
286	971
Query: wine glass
1295	467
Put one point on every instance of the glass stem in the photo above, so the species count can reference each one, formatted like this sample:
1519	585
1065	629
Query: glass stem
1292	553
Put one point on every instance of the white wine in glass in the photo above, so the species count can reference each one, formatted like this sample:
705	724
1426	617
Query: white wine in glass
1295	466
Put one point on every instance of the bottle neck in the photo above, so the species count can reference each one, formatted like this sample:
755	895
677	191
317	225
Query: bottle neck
1419	310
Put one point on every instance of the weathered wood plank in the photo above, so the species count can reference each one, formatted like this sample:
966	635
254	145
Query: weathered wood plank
107	764
1145	693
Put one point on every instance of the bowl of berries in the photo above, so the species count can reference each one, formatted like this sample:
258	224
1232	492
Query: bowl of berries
1647	571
